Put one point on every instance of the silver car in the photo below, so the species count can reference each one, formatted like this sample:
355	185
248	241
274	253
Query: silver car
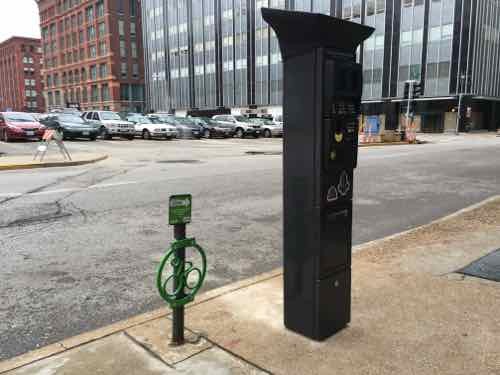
270	128
149	128
110	124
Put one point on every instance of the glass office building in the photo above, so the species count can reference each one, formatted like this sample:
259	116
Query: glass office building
202	54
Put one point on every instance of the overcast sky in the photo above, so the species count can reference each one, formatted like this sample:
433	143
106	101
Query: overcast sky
19	18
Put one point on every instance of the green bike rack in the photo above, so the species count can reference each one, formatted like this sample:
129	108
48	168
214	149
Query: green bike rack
182	290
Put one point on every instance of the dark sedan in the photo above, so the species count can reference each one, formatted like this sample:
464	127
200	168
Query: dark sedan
186	127
72	126
212	128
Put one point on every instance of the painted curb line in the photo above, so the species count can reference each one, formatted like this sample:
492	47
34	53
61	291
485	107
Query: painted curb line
86	337
10	167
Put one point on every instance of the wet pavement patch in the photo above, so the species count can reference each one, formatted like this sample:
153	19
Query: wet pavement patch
264	152
179	161
487	267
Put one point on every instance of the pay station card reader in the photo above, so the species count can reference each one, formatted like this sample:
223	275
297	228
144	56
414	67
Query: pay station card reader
321	104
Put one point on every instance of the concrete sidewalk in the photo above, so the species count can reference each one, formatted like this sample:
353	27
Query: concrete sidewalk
52	160
411	314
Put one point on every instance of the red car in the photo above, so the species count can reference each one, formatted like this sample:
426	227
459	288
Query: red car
19	125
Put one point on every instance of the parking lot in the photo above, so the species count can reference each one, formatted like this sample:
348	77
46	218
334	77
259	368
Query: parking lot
80	245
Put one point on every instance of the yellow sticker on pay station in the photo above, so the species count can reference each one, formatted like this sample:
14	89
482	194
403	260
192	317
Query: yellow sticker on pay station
339	137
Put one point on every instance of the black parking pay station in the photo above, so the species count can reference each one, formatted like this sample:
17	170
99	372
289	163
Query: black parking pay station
322	97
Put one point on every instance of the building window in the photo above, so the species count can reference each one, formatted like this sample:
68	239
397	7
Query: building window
132	28
405	38
101	27
103	71
102	48
198	70
105	92
227	65
93	51
123	52
241	64
133	47
121	27
120	6
261	60
93	72
447	31
94	95
124	69
133	8
90	33
89	12
100	8
135	70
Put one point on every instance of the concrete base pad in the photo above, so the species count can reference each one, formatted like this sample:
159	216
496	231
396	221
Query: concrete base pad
156	336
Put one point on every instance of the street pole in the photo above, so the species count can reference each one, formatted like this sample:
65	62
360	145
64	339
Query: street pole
179	268
460	96
410	96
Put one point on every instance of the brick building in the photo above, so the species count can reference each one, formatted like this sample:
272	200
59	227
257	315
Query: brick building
93	54
20	82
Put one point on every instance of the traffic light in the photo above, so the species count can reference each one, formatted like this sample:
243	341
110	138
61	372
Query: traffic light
417	90
407	90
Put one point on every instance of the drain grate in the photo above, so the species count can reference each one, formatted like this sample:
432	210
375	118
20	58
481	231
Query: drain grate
178	161
487	267
264	152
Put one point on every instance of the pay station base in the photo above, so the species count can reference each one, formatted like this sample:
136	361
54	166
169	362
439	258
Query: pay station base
327	314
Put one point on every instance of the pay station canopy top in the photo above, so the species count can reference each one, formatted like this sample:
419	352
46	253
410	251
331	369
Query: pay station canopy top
299	32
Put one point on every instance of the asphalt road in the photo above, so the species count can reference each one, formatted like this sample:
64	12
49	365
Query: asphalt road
79	246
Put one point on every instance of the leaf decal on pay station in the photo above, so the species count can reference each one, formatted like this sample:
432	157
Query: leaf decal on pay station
344	184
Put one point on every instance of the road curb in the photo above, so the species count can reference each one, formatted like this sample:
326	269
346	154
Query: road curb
86	337
380	144
462	211
33	165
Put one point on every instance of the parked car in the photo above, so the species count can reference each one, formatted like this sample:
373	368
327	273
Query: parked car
71	126
147	128
37	116
242	125
270	128
110	124
72	111
19	125
160	116
186	127
213	128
